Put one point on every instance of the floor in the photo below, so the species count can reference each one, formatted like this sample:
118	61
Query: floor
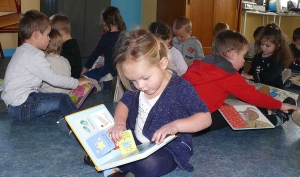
38	148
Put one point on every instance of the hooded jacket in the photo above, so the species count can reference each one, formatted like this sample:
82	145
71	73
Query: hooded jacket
214	78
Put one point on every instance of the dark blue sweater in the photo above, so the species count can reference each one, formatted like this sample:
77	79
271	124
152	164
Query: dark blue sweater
178	100
105	45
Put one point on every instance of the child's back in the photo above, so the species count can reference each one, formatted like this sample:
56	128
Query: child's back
59	64
70	48
189	46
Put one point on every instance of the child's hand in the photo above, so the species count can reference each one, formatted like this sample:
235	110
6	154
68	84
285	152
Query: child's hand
99	64
84	70
168	129
247	76
116	132
286	107
82	81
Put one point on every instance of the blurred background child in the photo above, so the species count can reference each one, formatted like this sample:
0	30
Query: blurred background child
219	27
273	57
162	31
189	46
70	48
114	25
59	64
295	48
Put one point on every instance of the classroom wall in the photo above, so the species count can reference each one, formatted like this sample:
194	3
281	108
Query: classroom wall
148	12
287	25
130	10
9	41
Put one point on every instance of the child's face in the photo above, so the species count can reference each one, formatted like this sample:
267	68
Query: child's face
105	27
43	39
181	34
267	47
297	44
151	79
237	59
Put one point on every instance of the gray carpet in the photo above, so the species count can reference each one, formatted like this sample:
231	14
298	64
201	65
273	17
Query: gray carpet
39	148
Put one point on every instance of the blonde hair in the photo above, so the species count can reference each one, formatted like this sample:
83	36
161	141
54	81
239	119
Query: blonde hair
60	22
219	27
136	46
183	22
55	44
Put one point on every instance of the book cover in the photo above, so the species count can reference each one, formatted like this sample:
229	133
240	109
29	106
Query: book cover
295	78
79	94
274	92
1	84
243	116
90	127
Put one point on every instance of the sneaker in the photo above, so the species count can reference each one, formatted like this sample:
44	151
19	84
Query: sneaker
296	117
286	116
122	174
86	160
62	125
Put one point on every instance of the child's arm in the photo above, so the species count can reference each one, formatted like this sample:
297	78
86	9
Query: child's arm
82	81
199	51
194	123
94	55
120	117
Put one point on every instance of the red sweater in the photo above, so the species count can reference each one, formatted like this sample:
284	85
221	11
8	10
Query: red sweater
214	78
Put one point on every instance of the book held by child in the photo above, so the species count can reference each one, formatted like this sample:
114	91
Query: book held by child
90	126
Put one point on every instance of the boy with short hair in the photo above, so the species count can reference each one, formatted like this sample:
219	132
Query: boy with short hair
70	48
295	48
27	69
216	76
189	46
219	27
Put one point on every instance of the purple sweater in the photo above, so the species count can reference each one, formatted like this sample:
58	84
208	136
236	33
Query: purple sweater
178	100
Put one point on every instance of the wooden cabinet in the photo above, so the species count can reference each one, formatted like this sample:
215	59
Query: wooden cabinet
204	14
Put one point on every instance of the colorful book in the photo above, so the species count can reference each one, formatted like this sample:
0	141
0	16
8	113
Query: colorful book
243	116
79	94
278	94
90	127
295	78
1	84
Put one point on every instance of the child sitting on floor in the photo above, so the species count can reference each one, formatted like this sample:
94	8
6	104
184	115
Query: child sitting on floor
59	64
70	48
189	46
216	76
27	69
158	103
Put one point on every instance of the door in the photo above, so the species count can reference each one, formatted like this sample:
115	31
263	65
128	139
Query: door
200	12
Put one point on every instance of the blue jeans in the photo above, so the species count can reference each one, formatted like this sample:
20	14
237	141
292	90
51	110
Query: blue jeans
40	104
98	73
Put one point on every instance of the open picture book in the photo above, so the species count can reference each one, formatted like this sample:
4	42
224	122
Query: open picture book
79	94
243	116
278	94
90	126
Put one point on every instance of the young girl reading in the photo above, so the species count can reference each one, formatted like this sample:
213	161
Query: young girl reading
274	55
59	64
157	103
162	31
113	24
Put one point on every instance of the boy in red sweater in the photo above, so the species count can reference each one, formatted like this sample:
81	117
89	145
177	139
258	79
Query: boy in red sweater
216	76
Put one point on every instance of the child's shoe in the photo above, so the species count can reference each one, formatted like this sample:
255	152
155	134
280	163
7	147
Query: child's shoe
296	117
121	174
286	116
86	160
